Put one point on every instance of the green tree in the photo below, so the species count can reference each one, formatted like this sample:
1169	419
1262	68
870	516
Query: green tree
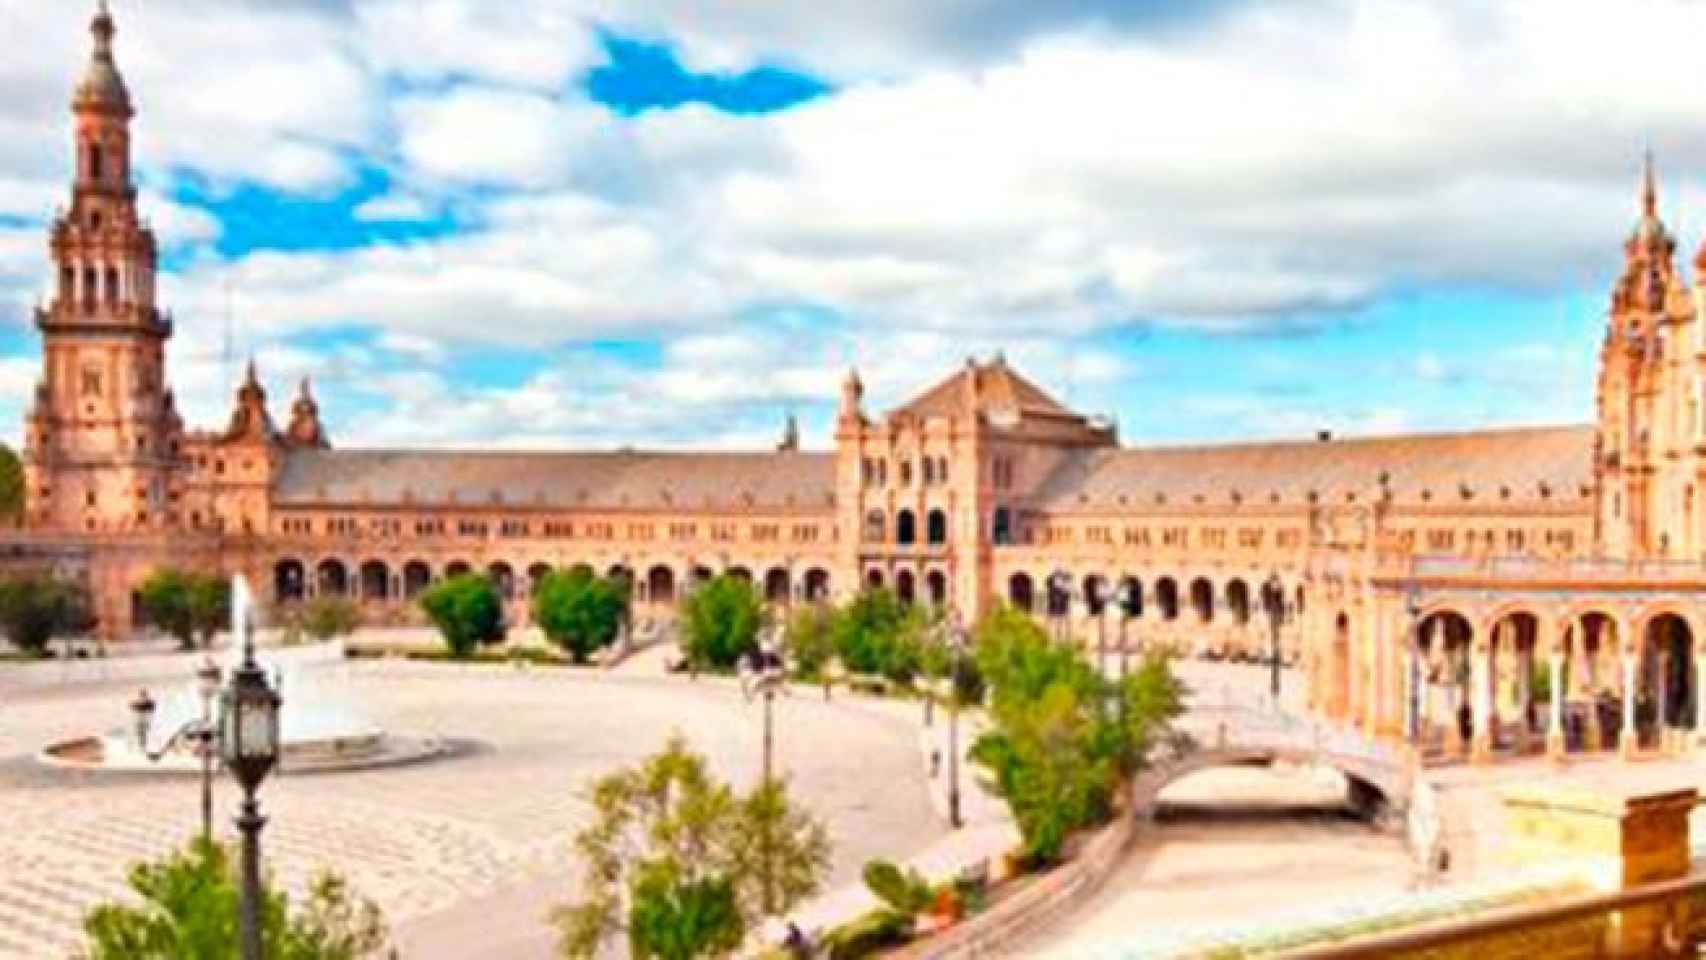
1063	736
186	605
579	611
720	621
467	612
680	848
876	633
326	618
189	911
11	487
34	608
810	639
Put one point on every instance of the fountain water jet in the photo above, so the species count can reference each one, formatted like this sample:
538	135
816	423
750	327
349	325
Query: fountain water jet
318	733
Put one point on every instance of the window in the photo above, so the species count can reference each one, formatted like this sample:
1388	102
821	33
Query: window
91	381
95	165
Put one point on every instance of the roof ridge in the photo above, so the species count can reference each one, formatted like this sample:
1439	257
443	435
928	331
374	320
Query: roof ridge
546	452
1355	439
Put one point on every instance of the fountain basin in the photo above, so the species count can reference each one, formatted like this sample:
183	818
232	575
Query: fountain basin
350	750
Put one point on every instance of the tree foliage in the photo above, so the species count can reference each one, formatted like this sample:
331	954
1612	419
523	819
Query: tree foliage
187	605
466	610
11	487
1063	736
876	633
35	608
720	621
684	866
810	638
579	611
189	911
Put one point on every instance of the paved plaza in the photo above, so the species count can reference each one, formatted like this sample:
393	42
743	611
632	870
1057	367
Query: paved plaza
467	854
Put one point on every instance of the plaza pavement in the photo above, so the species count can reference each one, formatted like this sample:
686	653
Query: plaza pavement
466	855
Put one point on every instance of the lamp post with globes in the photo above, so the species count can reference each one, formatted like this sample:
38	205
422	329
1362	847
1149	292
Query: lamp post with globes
1096	604
1130	599
1413	717
249	740
199	731
1273	601
1060	602
763	674
957	643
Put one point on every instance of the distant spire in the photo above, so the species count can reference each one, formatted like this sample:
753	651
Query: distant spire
1649	192
249	377
305	393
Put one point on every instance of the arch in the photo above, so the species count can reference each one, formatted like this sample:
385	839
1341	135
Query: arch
906	586
817	584
583	570
288	580
1001	527
457	568
96	167
621	577
375	580
660	584
331	578
1202	599
873	579
417	576
905	528
936	588
701	574
1513	640
1238	600
1167	598
1136	586
112	284
536	575
739	573
778	587
1667	669
503	577
936	527
1021	592
1096	594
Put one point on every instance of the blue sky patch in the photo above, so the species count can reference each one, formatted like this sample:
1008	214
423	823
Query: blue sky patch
643	75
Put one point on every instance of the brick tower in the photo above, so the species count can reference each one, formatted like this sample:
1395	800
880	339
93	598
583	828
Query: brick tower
102	434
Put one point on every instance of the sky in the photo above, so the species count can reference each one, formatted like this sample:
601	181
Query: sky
668	223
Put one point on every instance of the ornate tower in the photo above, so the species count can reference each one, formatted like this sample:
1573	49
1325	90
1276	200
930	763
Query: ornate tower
305	429
102	434
1649	399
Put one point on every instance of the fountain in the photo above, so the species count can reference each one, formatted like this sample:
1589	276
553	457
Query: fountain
318	733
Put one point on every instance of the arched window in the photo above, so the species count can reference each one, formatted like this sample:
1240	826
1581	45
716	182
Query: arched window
95	165
112	285
936	527
1002	528
91	295
906	527
1020	592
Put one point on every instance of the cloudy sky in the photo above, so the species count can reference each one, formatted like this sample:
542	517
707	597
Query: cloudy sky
663	222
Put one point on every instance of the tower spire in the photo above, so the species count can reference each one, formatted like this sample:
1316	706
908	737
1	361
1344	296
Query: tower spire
1649	191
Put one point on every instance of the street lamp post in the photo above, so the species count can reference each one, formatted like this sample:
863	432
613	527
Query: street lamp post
1060	602
1096	602
1413	719
249	740
1274	600
197	730
957	643
1131	606
763	674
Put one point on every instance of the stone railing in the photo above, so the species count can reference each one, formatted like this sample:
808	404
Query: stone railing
1586	569
1664	919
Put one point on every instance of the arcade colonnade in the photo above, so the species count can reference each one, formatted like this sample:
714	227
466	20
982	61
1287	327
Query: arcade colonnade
1482	676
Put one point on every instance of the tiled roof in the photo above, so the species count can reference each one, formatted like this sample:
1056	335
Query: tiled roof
1495	466
619	479
999	388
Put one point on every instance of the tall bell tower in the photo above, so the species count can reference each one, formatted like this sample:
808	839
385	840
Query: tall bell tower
102	433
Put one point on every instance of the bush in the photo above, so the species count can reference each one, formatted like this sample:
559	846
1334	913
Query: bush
190	910
467	612
324	618
905	892
580	612
36	608
720	621
868	936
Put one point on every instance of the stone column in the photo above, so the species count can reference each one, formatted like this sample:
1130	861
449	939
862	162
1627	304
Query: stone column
1699	696
1480	706
1627	740
1555	745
